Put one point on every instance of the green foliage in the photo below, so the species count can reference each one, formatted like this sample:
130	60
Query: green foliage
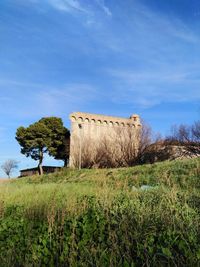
93	218
59	136
34	139
48	135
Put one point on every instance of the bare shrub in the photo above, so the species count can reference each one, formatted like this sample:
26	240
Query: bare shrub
9	166
105	154
88	151
195	131
187	136
123	148
145	140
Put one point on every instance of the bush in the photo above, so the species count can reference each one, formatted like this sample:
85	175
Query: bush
92	218
153	229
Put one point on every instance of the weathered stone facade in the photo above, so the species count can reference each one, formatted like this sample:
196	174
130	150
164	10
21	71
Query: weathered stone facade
89	130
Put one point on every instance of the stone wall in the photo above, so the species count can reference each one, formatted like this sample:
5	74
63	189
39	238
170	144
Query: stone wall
90	129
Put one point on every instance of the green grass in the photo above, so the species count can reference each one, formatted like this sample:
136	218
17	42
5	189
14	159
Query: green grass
94	218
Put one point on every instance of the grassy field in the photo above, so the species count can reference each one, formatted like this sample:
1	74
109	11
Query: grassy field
103	217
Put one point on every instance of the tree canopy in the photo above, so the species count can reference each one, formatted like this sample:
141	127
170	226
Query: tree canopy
45	136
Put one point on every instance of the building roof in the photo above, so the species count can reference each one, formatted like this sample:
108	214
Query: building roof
44	167
90	116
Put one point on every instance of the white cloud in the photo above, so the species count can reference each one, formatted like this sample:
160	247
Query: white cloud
171	75
81	6
156	52
102	5
47	100
67	5
68	97
149	88
86	7
164	24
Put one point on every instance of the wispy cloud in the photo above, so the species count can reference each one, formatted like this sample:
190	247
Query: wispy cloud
67	5
67	98
49	101
78	5
104	56
86	7
158	76
149	88
102	5
162	23
158	66
16	83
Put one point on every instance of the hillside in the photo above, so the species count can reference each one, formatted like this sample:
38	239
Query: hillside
103	217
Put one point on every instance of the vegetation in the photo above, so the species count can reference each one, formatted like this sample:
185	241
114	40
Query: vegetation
124	149
187	136
103	217
9	166
48	135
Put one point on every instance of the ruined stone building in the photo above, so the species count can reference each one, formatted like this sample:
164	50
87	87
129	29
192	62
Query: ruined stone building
94	135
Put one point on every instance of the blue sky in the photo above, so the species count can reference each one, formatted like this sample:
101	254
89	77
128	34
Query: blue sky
114	57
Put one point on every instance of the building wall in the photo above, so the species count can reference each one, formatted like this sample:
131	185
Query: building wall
34	171
90	129
28	173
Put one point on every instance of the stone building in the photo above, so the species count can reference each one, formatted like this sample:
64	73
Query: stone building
90	131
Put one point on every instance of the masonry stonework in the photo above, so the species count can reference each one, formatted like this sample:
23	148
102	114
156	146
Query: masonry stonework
89	130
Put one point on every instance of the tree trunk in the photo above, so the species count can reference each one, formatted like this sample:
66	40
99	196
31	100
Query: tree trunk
66	162
40	169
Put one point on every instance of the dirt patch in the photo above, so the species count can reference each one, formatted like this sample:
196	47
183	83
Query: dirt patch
4	180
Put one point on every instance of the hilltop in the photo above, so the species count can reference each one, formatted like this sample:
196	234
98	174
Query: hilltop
179	173
103	217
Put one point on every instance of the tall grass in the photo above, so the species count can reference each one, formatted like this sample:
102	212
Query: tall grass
94	218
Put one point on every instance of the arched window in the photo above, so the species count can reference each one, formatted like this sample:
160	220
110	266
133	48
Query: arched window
73	118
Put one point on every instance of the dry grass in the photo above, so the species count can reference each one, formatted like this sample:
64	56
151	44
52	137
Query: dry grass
4	180
93	217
